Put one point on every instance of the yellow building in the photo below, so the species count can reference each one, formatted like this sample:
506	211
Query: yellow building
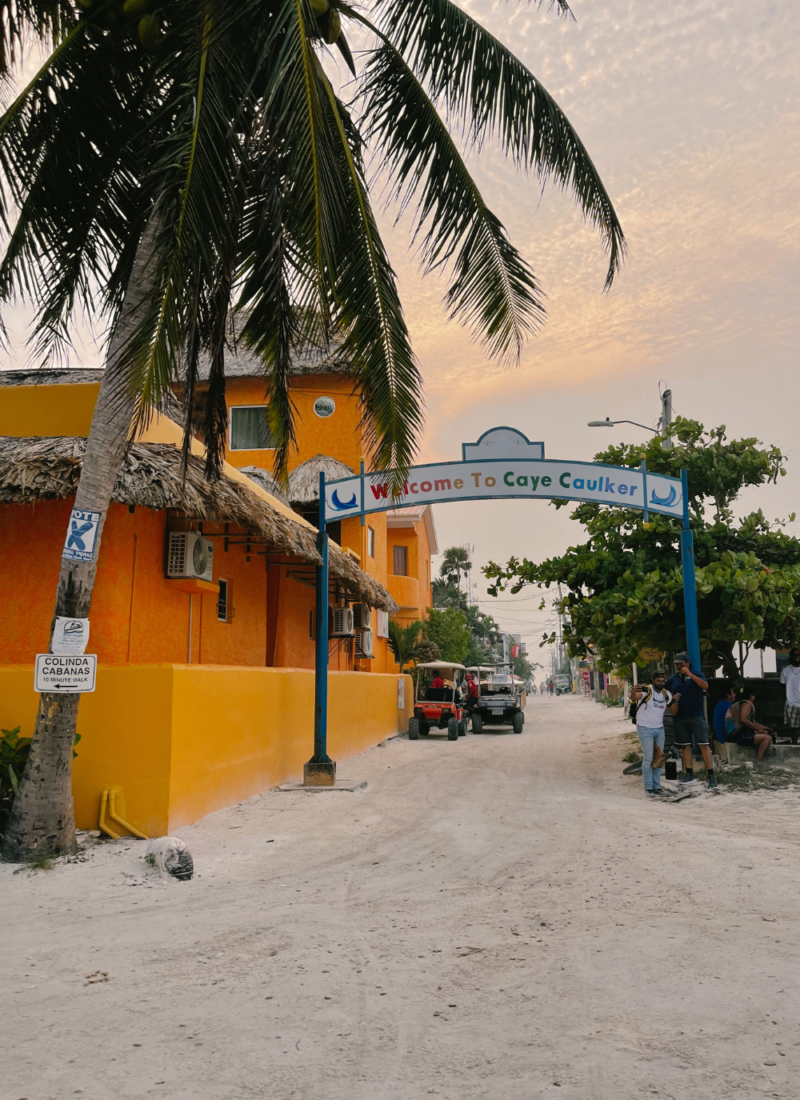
205	684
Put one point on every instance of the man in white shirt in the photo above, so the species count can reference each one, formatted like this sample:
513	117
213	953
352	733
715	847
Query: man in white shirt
652	704
790	678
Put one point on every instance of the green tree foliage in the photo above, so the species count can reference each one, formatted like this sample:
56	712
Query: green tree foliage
409	645
624	585
446	594
524	667
219	120
447	628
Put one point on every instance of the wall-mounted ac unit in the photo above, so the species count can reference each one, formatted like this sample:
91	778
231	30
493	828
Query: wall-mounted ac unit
362	615
364	644
341	622
383	624
190	555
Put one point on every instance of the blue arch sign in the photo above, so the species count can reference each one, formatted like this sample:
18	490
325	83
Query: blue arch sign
504	478
502	464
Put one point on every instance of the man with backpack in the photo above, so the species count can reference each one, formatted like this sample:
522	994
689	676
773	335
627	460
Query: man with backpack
652	702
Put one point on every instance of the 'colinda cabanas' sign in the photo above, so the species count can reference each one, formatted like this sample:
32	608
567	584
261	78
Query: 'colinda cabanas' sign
503	463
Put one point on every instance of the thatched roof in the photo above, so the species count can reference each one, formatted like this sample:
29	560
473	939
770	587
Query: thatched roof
42	468
267	482
304	479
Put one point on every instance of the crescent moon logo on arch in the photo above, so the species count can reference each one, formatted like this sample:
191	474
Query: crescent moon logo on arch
666	501
341	505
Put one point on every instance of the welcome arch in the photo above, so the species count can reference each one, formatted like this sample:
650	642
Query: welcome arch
503	464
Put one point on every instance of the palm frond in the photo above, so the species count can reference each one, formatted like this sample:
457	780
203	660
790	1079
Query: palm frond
483	85
494	289
371	316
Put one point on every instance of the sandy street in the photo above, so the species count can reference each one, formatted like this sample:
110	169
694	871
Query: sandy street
503	918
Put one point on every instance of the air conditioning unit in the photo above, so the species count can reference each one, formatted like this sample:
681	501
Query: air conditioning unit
383	624
190	555
364	644
341	622
362	616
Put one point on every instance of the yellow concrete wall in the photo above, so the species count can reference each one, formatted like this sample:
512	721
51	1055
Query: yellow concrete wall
184	740
125	739
48	410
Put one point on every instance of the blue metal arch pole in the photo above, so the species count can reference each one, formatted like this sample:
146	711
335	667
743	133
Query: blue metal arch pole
689	587
320	771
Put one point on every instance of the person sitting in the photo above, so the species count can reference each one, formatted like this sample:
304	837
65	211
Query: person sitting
434	692
741	727
473	692
721	711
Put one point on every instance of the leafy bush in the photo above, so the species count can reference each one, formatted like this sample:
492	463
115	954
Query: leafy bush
14	752
13	757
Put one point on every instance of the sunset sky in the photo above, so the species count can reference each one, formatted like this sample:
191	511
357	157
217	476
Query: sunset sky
690	112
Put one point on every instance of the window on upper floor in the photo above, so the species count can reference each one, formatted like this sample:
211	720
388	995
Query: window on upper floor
371	542
400	561
249	428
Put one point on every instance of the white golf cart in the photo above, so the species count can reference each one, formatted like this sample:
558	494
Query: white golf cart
499	702
440	707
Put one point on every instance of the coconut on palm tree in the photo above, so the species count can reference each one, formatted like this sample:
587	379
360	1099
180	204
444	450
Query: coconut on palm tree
172	160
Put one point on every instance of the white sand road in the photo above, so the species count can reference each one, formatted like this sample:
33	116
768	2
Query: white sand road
503	918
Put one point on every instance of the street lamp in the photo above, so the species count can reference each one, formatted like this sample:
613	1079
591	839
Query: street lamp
664	423
608	423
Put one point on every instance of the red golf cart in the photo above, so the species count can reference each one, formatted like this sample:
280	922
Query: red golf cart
439	707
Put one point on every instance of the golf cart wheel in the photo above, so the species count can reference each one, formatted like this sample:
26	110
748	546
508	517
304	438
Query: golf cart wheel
423	729
477	723
462	728
452	730
413	729
518	722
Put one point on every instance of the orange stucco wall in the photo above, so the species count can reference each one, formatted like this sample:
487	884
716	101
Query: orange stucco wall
338	435
182	741
137	615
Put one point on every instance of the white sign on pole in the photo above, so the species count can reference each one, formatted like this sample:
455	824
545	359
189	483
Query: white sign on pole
70	637
69	675
81	536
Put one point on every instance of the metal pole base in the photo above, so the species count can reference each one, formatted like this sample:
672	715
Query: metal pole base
319	775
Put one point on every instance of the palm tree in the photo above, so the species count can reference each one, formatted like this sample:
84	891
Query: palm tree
446	594
455	564
408	645
163	168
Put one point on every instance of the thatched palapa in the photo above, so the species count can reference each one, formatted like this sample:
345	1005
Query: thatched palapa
304	479
41	468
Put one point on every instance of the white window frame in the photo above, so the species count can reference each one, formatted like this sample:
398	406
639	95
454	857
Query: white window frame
231	410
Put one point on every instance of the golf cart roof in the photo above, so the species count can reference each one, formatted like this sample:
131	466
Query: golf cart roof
441	665
480	668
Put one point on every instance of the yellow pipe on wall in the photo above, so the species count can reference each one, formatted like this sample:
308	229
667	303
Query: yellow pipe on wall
102	823
112	813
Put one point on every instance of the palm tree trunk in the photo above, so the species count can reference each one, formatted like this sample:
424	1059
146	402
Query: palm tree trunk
42	821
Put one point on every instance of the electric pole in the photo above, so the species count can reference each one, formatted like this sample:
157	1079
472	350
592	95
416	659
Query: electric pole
666	418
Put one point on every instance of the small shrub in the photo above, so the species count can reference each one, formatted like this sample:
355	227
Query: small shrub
14	752
631	758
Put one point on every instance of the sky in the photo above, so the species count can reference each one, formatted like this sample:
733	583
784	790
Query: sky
690	113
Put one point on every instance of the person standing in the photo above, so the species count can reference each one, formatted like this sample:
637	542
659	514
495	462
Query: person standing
689	724
652	701
790	678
